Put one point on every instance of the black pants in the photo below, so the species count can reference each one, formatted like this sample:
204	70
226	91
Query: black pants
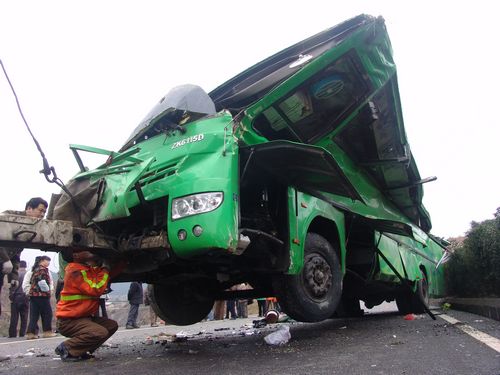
231	309
2	276
132	315
59	288
40	307
18	309
262	307
102	305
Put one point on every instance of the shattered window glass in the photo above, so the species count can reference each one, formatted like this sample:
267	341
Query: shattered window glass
373	134
318	105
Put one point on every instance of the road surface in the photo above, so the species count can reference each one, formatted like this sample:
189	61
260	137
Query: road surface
381	342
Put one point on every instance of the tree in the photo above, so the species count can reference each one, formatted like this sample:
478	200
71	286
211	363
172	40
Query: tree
474	268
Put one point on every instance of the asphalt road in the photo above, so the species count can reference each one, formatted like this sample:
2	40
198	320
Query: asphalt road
378	343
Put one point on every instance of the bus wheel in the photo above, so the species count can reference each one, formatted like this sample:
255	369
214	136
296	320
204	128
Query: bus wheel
421	298
410	302
313	294
182	303
348	307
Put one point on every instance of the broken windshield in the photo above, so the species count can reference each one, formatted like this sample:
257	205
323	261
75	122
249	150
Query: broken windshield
180	106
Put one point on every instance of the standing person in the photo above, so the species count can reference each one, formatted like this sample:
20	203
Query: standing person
271	304
231	305
262	306
152	315
242	304
39	294
19	306
26	286
85	280
102	302
135	298
219	309
231	309
10	257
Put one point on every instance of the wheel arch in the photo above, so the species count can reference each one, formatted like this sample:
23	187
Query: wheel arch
329	229
309	214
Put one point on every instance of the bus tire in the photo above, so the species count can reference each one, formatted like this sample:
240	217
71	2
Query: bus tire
416	302
348	308
313	294
421	299
182	304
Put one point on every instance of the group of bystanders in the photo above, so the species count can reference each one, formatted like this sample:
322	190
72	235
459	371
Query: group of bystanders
83	279
29	291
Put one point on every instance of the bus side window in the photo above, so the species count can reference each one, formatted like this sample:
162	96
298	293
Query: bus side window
271	125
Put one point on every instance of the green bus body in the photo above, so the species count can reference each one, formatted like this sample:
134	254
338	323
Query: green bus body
308	180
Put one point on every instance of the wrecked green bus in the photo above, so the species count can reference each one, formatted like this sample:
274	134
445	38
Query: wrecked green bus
295	176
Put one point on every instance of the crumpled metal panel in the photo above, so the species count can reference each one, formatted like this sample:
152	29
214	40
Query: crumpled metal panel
24	231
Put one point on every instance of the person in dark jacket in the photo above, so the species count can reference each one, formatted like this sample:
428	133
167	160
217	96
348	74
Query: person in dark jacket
19	305
135	298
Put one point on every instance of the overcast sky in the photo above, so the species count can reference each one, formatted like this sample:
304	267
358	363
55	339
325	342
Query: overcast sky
87	72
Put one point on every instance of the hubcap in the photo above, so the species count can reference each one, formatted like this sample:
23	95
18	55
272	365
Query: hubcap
317	276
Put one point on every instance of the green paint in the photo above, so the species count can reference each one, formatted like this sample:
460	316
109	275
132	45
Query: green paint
322	150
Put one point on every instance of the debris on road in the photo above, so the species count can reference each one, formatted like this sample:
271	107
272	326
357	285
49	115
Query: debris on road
181	336
260	323
279	337
414	316
109	344
409	317
272	317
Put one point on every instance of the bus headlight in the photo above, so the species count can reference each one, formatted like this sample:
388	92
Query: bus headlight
196	204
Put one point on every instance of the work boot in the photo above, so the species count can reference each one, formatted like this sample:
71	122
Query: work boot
48	334
63	352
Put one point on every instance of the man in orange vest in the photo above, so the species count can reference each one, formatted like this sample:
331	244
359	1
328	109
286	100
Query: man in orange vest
85	280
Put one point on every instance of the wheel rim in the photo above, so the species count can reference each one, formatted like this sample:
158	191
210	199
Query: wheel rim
317	276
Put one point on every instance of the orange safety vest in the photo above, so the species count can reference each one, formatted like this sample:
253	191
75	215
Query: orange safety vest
83	285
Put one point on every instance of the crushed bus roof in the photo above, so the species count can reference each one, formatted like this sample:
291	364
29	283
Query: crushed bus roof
337	89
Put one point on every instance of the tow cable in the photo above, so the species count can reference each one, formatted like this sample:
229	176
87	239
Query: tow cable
48	171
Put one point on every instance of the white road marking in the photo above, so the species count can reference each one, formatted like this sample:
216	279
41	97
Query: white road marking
486	339
60	337
20	340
